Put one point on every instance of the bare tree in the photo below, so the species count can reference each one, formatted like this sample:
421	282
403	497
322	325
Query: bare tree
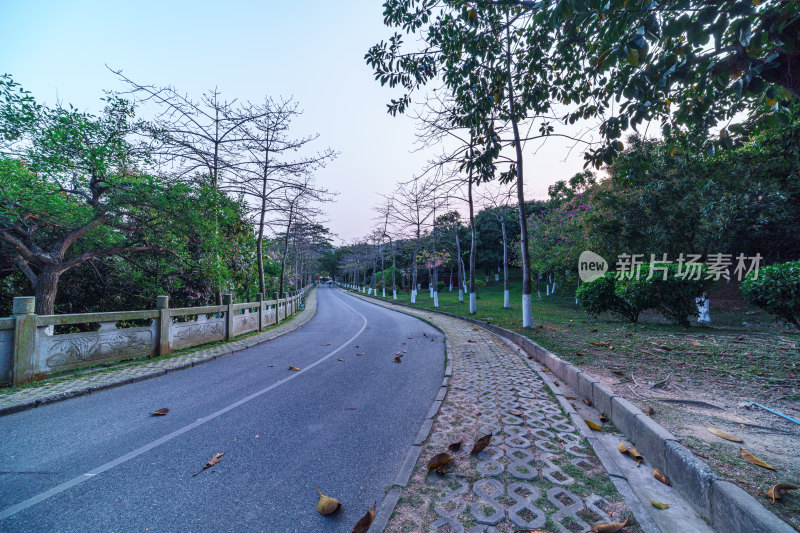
497	201
412	210
267	172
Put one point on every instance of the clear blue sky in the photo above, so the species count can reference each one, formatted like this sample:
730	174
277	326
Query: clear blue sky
311	50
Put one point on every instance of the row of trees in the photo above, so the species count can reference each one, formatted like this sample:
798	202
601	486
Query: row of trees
105	211
515	70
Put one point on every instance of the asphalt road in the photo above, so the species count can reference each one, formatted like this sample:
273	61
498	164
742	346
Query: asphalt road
103	463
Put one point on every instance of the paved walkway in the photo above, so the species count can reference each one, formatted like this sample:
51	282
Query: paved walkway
538	471
62	387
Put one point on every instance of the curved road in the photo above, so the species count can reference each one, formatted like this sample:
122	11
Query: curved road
103	463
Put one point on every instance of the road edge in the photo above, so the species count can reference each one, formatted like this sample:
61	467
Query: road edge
389	502
725	505
235	346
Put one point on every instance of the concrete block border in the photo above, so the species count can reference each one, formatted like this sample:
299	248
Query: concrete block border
727	507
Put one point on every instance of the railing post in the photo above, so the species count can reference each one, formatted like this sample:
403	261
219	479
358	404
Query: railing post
227	299
24	354
277	307
164	322
260	298
287	314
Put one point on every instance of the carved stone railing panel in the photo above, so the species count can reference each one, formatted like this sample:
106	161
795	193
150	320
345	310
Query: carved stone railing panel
6	354
201	331
75	350
245	323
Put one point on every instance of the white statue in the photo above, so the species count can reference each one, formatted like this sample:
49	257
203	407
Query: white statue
703	308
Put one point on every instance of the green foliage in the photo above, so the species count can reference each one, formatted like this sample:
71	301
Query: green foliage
439	286
557	236
600	296
776	290
664	200
671	295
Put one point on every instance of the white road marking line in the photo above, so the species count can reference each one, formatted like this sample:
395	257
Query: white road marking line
42	496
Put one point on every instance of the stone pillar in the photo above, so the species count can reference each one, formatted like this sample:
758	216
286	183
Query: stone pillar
260	299
277	307
24	367
164	322
227	299
287	295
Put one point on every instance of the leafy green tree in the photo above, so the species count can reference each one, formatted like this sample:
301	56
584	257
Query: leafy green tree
71	191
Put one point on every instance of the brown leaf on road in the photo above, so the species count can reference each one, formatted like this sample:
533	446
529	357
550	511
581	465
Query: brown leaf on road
161	412
437	462
293	368
555	382
398	360
456	446
327	505
750	458
569	397
361	353
470	340
776	492
633	452
659	505
535	530
622	448
342	360
326	344
650	411
363	525
587	401
545	370
610	527
481	444
723	435
214	460
661	477
603	418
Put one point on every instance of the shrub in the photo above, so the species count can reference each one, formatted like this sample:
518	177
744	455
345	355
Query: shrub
673	298
599	295
439	286
776	290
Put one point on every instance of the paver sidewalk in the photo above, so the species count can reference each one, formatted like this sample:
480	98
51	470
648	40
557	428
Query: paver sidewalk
538	471
86	382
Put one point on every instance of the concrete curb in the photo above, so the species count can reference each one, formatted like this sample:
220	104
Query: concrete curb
242	344
727	507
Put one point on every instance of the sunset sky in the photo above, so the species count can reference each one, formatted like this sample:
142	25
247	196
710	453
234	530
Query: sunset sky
310	50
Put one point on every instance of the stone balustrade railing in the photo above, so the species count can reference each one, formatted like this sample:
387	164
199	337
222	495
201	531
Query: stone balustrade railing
33	346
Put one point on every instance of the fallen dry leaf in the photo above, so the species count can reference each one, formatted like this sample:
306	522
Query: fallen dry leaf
326	344
593	426
633	452
569	397
610	527
659	505
361	353
776	492
398	360
535	530
437	462
555	382
750	458
650	411
579	353
587	401
214	460
603	418
593	330
293	368
618	372
622	448
456	446
342	360
472	341
545	369
600	343
161	412
481	444
722	434
327	505
661	477
363	525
